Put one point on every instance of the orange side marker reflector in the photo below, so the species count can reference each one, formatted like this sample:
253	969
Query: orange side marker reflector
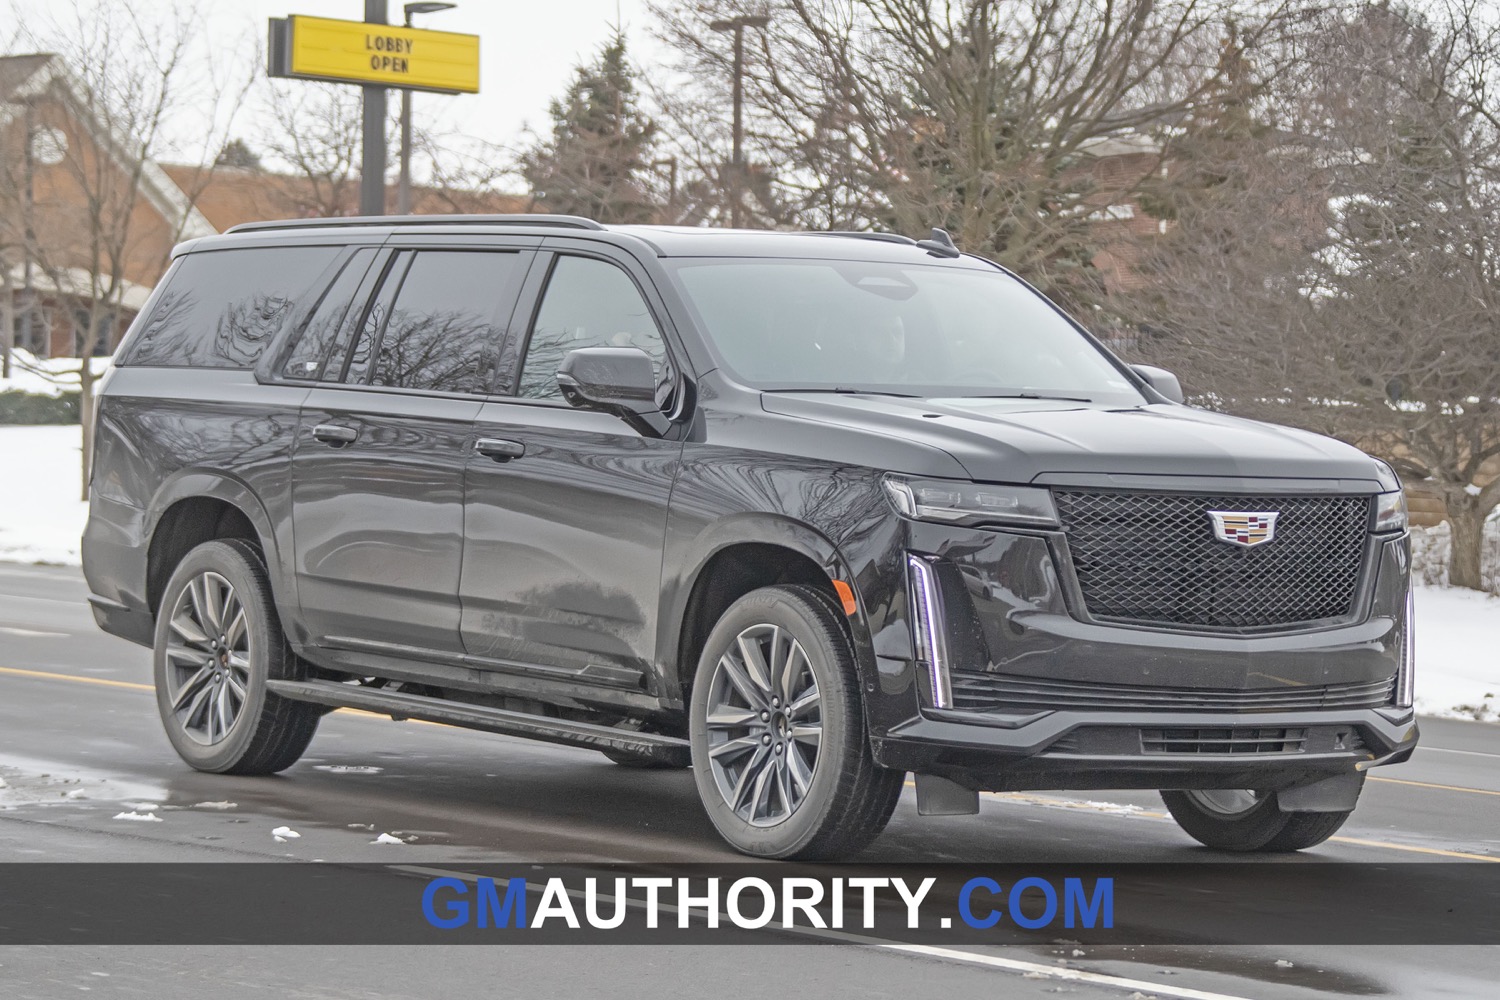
846	595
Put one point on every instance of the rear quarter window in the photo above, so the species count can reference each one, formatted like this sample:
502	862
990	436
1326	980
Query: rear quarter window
222	308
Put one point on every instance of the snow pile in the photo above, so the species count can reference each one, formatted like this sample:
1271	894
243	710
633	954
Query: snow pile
46	376
41	515
386	838
139	817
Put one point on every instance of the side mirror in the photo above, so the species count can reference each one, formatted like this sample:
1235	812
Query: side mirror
1161	380
618	380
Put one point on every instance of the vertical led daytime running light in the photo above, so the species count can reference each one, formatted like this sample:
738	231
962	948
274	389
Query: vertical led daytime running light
927	625
1406	680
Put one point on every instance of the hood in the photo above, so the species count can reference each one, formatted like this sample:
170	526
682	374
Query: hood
1028	440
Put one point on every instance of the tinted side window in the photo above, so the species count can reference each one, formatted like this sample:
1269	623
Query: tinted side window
318	335
445	326
588	303
224	306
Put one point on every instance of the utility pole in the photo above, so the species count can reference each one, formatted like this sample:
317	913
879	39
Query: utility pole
403	177
372	161
737	158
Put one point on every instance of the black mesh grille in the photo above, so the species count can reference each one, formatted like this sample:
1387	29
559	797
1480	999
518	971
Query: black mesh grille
1152	559
1222	741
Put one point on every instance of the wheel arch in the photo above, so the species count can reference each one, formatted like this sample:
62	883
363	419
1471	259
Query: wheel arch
733	558
199	506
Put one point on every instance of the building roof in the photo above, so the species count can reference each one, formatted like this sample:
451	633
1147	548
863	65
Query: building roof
229	196
31	76
15	71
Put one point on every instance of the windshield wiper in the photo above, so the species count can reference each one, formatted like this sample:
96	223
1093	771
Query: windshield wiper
1030	395
844	390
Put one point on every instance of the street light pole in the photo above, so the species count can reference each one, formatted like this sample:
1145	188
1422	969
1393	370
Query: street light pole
372	124
737	156
403	182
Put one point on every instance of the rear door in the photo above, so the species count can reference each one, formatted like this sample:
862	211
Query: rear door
567	508
382	444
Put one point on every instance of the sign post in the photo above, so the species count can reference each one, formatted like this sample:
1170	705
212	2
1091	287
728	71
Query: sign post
375	55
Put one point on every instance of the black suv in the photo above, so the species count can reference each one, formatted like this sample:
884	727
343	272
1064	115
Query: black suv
801	511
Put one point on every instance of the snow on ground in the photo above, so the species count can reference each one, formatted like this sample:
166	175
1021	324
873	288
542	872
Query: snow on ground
47	376
1458	653
41	520
41	515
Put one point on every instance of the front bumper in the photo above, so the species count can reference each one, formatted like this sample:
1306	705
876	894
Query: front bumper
1042	698
1070	749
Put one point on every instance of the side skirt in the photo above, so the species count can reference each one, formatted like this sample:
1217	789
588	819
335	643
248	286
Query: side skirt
399	705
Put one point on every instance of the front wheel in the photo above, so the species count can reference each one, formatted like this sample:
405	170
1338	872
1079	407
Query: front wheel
218	641
1245	820
781	756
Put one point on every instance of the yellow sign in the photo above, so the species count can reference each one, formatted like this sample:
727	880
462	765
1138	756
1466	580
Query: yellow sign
355	52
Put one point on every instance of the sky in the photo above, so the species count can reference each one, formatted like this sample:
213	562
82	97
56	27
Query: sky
528	50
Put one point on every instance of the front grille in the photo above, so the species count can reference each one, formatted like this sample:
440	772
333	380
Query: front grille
992	692
1152	559
1222	741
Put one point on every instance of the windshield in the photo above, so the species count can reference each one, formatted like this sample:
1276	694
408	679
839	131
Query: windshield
909	329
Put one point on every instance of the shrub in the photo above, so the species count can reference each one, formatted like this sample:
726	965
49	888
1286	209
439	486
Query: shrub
18	407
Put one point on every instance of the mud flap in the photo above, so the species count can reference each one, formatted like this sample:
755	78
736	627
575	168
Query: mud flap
1331	795
941	797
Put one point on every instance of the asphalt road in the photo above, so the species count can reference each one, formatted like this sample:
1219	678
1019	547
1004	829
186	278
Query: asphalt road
80	741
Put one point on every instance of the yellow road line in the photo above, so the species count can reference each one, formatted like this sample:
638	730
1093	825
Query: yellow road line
53	676
1428	784
1415	850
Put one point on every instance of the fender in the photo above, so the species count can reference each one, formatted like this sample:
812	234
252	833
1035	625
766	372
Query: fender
191	483
759	529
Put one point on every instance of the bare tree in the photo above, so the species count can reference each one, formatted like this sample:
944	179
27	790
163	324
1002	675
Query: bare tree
312	159
116	79
985	117
1341	270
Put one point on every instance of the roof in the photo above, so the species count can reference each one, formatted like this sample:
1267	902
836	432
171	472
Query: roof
31	76
77	283
664	241
15	71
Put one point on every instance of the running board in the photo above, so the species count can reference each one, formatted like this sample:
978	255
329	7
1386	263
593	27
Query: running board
665	749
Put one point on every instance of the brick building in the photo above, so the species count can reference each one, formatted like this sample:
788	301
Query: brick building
87	228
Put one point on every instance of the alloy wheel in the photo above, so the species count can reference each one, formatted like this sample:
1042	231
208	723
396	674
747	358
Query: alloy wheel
208	659
765	725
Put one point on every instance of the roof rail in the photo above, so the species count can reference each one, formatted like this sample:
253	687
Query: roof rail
558	221
866	235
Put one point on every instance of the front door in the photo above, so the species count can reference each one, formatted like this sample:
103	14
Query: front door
566	508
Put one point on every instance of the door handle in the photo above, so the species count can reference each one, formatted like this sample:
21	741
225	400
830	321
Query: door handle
335	434
500	449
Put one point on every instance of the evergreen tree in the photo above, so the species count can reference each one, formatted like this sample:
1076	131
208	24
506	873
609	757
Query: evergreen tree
237	153
597	162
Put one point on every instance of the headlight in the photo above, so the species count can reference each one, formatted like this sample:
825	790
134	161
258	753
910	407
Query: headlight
1390	512
953	502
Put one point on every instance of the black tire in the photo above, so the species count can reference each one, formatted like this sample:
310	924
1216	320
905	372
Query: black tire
1260	827
846	799
266	733
638	763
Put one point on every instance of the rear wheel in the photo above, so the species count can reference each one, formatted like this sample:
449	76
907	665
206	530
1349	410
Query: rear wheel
1246	820
218	641
780	751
